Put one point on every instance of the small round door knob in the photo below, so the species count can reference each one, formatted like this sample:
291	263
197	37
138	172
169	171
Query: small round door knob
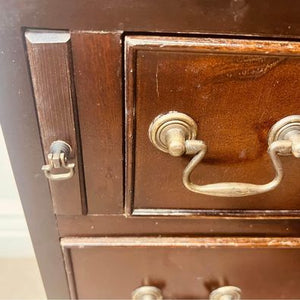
147	293
226	293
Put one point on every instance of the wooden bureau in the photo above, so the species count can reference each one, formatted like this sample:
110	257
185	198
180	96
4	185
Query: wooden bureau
159	126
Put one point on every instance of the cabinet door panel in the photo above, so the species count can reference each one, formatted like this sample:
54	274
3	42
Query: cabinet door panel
50	61
78	92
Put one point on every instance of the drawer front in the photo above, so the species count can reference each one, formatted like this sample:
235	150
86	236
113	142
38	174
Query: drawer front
183	268
234	90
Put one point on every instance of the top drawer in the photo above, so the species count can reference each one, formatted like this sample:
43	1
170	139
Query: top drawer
234	90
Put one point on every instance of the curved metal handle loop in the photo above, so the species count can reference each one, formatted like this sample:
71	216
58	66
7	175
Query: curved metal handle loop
58	160
175	133
61	176
233	189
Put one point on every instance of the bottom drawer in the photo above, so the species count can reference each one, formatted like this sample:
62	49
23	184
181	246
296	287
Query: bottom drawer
263	268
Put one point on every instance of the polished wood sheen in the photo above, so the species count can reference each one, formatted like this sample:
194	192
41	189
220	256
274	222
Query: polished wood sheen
50	63
183	268
256	226
97	70
235	90
125	260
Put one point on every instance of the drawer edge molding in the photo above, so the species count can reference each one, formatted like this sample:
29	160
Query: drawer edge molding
198	242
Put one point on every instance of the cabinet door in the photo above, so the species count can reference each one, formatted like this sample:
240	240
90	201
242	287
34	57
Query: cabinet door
50	62
76	78
234	90
183	268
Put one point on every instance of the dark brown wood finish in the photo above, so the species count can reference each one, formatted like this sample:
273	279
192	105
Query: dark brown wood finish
183	268
176	226
270	18
98	78
235	90
51	72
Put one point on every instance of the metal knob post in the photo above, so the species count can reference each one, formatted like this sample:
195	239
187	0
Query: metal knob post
58	160
147	292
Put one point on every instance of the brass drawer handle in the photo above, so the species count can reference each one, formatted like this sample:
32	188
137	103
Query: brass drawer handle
58	160
175	133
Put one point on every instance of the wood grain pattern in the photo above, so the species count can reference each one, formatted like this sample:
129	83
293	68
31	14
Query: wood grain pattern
235	90
183	268
269	18
97	68
84	226
221	45
51	72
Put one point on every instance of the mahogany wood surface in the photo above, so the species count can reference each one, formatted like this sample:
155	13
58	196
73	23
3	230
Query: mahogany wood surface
183	268
177	226
235	90
270	19
50	63
98	80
